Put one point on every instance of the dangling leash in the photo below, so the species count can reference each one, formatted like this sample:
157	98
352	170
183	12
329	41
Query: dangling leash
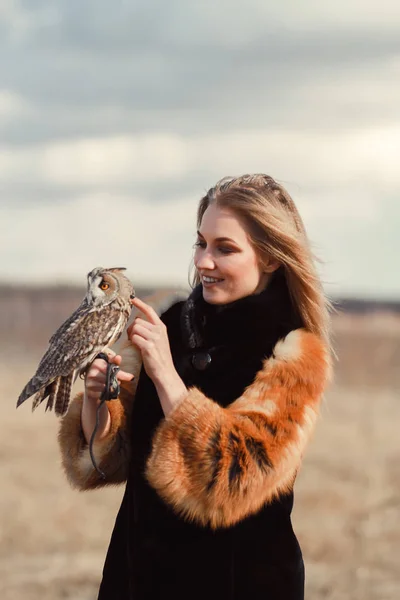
110	392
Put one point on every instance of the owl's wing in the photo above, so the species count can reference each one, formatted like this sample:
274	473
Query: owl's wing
75	346
82	309
80	341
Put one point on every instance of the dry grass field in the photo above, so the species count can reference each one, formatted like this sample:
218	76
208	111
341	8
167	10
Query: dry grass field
53	540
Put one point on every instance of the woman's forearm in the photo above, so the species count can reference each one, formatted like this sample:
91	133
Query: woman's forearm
88	418
171	391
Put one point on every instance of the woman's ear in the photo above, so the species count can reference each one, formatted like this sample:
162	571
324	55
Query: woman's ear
271	266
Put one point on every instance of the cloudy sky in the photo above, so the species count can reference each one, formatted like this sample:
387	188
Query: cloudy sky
116	117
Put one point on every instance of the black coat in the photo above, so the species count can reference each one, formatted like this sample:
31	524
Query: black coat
154	553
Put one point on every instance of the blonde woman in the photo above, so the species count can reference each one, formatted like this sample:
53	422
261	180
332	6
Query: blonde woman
210	433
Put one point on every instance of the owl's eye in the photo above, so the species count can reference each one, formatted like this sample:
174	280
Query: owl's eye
104	285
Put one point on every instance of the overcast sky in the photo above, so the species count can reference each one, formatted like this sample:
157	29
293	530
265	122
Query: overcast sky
116	117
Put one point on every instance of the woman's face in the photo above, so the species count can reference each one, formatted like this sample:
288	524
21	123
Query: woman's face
225	259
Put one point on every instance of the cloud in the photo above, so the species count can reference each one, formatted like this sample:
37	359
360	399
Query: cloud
154	56
78	96
12	106
61	243
154	24
89	70
136	109
323	158
20	21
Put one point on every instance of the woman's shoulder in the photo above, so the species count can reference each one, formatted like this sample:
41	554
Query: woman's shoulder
171	310
167	303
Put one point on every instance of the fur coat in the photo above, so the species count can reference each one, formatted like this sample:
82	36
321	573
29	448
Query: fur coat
209	489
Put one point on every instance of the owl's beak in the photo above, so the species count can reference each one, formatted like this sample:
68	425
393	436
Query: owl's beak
132	297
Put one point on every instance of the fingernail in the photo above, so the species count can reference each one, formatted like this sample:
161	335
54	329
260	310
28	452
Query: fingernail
132	378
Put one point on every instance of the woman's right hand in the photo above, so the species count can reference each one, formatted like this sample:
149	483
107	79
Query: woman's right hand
95	381
95	378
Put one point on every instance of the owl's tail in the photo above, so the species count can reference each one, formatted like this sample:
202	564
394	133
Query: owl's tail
52	395
62	395
35	386
57	391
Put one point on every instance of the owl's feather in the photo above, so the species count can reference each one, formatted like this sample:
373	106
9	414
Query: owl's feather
53	389
82	309
62	395
40	396
38	386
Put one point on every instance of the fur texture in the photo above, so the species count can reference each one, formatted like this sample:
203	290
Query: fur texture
218	465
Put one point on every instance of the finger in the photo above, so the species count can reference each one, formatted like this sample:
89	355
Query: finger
143	323
95	387
98	366
116	359
147	310
145	333
95	375
139	341
125	376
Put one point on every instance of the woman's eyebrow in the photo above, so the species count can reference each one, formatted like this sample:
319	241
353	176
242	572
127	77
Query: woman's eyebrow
219	239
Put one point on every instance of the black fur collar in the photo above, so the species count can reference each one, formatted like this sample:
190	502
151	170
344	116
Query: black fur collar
259	319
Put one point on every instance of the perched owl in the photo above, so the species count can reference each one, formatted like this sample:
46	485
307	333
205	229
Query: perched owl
98	322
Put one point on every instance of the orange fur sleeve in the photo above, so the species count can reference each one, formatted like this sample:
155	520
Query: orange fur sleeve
112	452
218	465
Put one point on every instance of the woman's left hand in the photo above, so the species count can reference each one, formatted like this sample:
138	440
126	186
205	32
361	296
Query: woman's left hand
151	337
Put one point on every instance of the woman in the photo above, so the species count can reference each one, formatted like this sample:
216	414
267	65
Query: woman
223	409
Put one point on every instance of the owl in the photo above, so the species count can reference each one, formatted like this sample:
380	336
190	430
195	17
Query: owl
98	322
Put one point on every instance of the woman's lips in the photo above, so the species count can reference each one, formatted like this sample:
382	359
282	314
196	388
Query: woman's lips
210	281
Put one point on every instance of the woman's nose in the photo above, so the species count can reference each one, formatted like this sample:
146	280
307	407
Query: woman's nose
204	260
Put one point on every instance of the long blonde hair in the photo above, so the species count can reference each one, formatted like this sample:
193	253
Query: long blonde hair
276	231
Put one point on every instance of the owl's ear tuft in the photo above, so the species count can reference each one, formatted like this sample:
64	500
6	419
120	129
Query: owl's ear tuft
116	269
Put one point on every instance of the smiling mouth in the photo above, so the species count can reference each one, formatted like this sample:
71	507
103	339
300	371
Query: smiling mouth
210	280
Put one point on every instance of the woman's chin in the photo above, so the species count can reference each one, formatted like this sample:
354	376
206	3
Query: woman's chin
215	296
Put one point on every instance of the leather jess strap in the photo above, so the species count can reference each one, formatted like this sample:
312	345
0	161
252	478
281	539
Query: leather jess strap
110	392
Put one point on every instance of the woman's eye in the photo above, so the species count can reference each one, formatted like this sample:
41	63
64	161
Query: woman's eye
104	285
220	249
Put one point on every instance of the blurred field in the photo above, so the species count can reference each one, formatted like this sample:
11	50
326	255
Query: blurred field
53	540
